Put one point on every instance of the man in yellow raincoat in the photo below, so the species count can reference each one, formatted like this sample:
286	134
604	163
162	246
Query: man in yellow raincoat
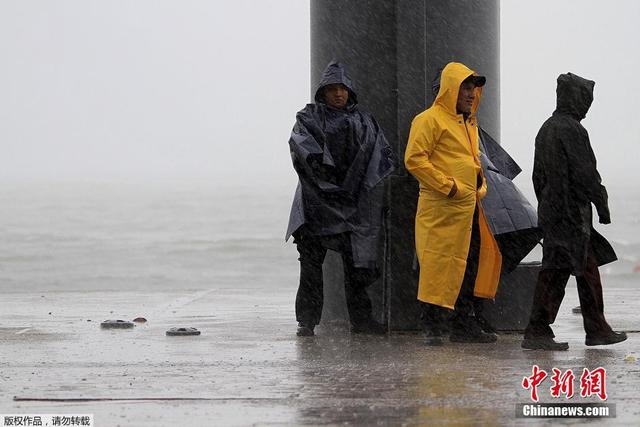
458	256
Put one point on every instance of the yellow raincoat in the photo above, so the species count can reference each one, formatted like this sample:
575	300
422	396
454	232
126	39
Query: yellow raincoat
443	147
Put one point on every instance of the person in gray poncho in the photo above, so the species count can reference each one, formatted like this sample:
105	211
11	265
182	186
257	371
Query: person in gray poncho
341	156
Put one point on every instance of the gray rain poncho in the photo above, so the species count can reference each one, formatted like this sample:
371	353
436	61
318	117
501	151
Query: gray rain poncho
341	156
511	218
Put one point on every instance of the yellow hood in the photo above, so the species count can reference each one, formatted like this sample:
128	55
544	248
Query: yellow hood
450	80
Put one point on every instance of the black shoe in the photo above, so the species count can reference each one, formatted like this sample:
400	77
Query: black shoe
466	329
371	327
485	325
611	338
544	343
305	330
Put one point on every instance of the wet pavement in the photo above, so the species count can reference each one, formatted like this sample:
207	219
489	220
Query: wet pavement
248	367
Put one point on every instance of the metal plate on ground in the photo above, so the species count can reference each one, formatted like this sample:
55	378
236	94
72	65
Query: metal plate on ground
116	324
182	332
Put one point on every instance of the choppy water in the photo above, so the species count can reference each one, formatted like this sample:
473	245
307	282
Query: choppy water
84	236
119	236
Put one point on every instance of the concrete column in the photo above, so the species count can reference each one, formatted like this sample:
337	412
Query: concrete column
392	50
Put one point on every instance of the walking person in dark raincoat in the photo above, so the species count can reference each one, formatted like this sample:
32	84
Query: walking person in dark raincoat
340	155
566	183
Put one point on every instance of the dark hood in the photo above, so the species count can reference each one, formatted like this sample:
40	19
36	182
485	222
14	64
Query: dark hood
574	95
336	73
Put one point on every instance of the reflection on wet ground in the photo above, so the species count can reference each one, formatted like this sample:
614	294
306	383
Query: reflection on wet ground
248	367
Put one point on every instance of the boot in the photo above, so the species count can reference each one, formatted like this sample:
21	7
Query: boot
611	338
466	329
305	329
485	325
544	343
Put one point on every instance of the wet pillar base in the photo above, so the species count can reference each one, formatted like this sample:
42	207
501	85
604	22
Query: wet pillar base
508	312
512	306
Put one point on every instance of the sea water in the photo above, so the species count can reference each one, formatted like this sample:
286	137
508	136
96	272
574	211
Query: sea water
152	236
196	235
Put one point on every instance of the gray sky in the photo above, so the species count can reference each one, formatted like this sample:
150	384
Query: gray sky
153	89
595	39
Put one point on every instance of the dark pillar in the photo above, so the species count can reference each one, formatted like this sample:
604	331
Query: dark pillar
392	50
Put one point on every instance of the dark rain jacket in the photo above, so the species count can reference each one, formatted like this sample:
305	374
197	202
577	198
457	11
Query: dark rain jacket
512	219
567	182
341	157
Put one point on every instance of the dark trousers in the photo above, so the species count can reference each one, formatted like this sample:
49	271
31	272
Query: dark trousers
309	299
549	293
436	317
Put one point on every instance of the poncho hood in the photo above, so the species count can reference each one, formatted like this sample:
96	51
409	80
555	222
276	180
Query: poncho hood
574	95
335	73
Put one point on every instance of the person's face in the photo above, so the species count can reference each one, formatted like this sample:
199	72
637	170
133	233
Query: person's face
336	95
466	96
